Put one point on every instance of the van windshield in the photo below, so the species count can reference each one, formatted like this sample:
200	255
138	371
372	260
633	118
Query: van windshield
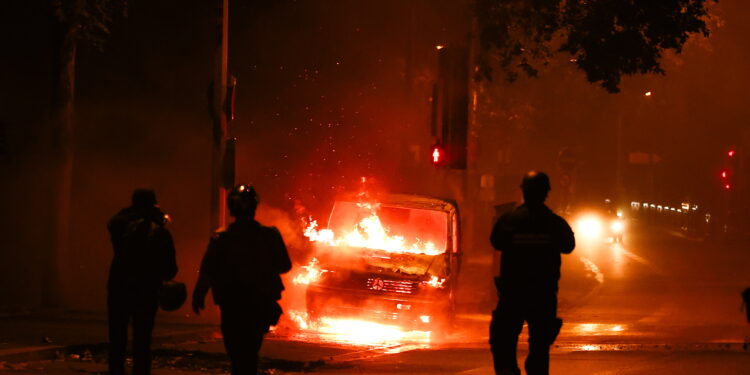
418	230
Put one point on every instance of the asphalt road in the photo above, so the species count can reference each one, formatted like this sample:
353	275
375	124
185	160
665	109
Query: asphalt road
656	304
657	299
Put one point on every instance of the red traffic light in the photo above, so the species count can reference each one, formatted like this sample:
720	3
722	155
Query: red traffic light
731	153
727	186
437	155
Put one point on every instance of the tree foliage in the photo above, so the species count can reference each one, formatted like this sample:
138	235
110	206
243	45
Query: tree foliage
605	38
90	20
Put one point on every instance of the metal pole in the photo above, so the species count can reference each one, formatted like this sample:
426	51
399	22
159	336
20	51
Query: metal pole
218	192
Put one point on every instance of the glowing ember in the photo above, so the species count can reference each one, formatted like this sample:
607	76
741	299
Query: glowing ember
369	233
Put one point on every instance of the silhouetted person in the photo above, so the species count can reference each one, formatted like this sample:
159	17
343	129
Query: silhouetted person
531	239
242	266
144	257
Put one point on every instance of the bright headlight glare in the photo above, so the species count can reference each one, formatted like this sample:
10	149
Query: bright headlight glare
590	227
617	226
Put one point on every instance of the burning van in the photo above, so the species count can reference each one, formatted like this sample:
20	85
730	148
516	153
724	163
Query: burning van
396	261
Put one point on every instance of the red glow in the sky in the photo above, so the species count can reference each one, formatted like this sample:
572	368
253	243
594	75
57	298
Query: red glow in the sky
724	174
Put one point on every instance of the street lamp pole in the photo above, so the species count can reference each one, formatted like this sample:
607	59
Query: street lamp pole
219	114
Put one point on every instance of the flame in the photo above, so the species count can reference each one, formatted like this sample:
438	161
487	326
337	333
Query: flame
357	331
299	318
369	233
310	273
435	282
362	332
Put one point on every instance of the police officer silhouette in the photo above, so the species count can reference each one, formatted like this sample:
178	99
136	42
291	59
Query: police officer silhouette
242	266
531	239
144	257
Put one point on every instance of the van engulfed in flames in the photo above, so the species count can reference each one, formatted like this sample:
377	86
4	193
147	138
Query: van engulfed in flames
382	272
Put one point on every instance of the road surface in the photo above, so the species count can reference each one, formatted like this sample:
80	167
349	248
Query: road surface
658	303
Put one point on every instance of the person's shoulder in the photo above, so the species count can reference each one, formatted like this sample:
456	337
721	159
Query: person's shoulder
270	229
515	213
219	233
121	216
559	220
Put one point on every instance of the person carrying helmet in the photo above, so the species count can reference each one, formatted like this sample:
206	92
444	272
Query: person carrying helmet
531	239
243	266
144	257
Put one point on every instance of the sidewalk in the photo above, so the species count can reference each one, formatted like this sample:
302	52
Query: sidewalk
40	335
73	342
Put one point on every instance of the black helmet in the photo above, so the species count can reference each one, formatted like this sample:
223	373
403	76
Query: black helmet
242	201
172	296
535	186
143	198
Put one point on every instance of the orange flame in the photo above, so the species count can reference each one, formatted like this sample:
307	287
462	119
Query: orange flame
310	273
357	331
435	282
369	233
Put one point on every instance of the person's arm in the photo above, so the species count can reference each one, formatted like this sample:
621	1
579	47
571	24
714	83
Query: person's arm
567	239
208	266
171	262
115	228
501	236
281	261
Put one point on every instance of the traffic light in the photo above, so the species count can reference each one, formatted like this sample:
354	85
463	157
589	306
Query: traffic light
450	107
725	179
730	170
437	155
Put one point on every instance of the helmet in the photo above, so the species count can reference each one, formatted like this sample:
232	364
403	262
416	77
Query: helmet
535	186
143	198
242	201
172	295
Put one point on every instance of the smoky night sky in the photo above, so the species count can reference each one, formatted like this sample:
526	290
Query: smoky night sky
328	92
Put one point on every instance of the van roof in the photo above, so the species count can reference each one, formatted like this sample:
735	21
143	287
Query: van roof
411	201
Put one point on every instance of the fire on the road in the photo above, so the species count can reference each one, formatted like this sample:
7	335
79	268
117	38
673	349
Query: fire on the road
356	331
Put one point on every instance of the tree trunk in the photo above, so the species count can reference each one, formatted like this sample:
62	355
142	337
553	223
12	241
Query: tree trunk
64	119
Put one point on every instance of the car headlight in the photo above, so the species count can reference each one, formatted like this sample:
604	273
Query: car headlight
617	226
589	227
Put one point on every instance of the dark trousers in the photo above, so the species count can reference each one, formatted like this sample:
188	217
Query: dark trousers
539	311
243	336
141	308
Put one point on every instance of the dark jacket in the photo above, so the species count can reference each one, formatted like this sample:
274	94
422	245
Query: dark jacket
243	264
531	239
144	253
